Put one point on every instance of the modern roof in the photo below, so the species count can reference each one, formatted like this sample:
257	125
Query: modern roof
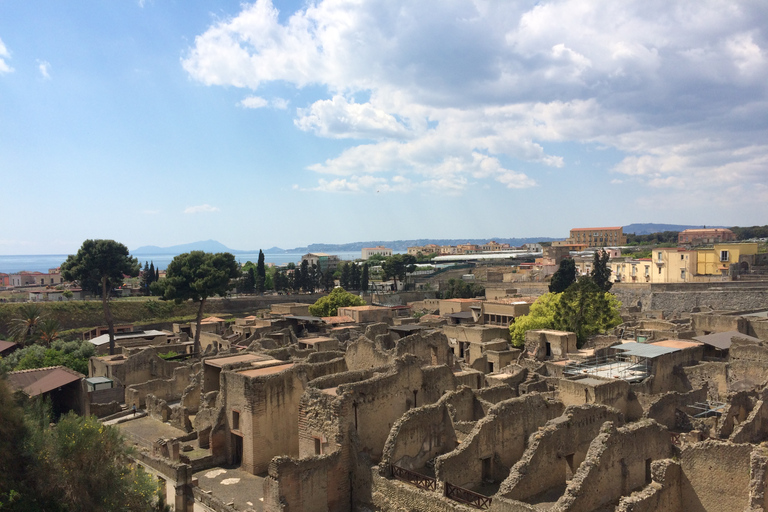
98	380
5	345
681	344
270	370
318	339
722	340
343	319
302	318
647	350
104	338
42	380
364	308
242	358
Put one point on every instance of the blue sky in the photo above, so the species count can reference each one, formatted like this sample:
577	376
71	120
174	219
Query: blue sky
161	122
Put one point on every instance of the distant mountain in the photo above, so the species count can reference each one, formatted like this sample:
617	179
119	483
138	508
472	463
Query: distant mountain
647	229
207	246
402	245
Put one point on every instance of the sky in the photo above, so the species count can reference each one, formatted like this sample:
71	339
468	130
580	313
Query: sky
285	123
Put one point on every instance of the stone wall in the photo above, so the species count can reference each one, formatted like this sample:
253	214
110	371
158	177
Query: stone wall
555	452
501	436
710	375
617	463
715	476
305	485
612	393
662	495
667	408
166	389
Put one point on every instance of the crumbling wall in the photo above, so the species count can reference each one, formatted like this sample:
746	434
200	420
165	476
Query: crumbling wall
755	428
712	375
612	393
716	476
748	368
501	436
739	406
666	409
363	354
311	484
555	452
419	436
662	495
431	348
617	463
169	390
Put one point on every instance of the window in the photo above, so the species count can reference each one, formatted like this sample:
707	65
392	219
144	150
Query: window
682	273
682	257
659	255
723	255
235	420
318	446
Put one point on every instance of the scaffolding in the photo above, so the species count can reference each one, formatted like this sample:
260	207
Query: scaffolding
708	408
614	366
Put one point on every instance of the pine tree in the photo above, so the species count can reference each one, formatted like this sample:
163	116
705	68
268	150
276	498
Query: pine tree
601	272
364	279
152	276
346	276
564	277
146	279
261	273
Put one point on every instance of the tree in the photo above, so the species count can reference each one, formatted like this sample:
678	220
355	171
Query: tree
345	280
24	328
460	289
585	310
364	279
540	316
328	281
196	276
49	331
145	280
601	272
397	265
76	464
330	304
355	275
99	267
261	274
564	277
304	281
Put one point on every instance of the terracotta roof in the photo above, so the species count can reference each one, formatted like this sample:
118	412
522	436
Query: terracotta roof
676	344
221	361
365	308
212	319
270	370
41	380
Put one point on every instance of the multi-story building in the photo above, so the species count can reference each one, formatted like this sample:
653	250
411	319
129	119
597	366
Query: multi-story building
718	260
323	261
597	237
705	236
381	251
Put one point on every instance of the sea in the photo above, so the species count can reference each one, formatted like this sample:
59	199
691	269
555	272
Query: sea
44	262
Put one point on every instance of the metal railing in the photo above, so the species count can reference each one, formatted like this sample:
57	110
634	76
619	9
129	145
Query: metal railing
422	481
466	496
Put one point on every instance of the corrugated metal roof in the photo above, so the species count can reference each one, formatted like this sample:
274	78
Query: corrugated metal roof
644	350
722	340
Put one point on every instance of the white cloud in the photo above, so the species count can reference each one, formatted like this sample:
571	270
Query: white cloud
203	208
44	67
259	102
253	102
464	92
4	56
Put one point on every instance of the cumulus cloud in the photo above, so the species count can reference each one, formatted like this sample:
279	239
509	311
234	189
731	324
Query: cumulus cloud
4	56
465	92
44	67
203	208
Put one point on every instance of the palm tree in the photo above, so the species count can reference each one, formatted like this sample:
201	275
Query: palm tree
49	331
24	328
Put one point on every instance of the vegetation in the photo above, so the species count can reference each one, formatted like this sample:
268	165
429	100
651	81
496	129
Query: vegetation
196	276
24	328
747	233
583	309
99	267
72	354
78	464
261	274
601	272
148	276
653	238
460	289
564	277
396	267
330	304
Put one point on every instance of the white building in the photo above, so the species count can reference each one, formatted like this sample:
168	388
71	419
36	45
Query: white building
370	251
